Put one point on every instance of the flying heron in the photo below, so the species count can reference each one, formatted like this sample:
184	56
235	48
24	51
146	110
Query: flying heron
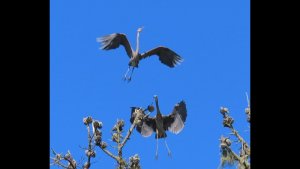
113	41
174	122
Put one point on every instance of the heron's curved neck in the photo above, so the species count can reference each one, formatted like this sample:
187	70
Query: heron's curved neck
157	107
137	42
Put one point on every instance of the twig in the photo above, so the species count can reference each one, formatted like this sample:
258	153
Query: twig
53	151
240	138
247	110
120	160
90	145
61	165
71	163
118	141
241	161
58	163
109	153
248	100
128	135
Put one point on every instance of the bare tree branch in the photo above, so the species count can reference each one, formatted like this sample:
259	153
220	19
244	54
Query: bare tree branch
88	165
58	157
240	159
228	155
95	139
128	135
109	153
240	138
57	163
248	99
70	162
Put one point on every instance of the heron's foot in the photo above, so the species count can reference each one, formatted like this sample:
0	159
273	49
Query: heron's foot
156	156
125	78
170	154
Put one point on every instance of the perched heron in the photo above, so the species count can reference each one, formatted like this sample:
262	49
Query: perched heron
113	41
174	122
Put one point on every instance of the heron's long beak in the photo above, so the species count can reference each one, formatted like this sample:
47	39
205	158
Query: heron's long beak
147	114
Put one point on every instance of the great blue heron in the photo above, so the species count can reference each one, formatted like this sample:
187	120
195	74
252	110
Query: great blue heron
113	41
174	122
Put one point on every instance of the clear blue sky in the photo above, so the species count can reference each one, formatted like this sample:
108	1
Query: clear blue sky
213	37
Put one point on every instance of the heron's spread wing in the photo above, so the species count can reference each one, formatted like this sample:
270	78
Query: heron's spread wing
146	130
166	56
113	41
175	121
147	127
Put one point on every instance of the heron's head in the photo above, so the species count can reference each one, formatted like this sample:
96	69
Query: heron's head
140	29
155	97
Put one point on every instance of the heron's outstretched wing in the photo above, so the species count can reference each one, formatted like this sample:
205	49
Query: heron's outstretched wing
175	121
166	56
113	41
148	127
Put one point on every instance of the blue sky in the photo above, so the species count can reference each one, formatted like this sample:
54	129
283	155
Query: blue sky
213	37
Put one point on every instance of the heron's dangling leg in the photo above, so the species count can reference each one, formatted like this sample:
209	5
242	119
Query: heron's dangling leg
156	153
125	76
169	152
131	74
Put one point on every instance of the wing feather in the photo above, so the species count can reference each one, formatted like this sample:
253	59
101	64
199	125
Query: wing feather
175	121
166	56
146	130
113	41
148	127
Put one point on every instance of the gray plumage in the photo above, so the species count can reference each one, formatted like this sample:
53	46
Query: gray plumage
165	55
